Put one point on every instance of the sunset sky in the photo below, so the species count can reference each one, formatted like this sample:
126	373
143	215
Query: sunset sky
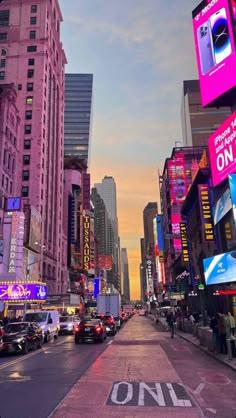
139	51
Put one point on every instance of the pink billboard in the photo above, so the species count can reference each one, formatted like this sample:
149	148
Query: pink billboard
175	220
177	178
222	150
215	51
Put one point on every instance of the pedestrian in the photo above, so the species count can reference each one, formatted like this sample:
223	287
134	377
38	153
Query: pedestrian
170	319
230	324
214	325
222	333
191	319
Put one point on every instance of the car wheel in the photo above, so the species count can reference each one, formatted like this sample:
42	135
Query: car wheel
40	343
25	348
46	337
76	340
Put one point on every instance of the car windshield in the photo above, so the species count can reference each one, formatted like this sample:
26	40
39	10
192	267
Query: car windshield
90	321
66	319
12	328
36	317
103	317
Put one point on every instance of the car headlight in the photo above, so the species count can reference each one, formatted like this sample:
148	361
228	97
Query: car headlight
18	340
70	326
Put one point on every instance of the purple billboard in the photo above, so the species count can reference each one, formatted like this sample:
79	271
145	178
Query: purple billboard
16	292
215	51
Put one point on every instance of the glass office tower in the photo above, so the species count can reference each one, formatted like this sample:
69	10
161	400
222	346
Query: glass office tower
78	115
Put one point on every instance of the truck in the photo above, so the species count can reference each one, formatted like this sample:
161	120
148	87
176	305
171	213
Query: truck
110	303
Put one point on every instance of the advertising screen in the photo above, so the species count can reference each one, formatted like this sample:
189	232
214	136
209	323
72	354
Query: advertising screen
23	291
222	150
220	269
177	178
215	51
175	220
35	230
222	206
232	186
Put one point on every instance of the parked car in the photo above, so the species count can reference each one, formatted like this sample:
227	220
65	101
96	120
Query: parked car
1	334
90	329
47	320
67	324
109	322
20	337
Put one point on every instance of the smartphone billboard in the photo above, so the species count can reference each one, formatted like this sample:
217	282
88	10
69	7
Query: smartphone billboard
213	27
220	269
222	150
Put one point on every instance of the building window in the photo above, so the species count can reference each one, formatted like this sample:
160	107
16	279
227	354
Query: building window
30	86
3	63
3	36
33	20
2	75
27	129
13	166
7	182
25	175
32	34
25	191
32	48
19	86
3	180
29	100
4	17
3	53
27	144
28	114
34	9
11	187
30	74
26	159
31	61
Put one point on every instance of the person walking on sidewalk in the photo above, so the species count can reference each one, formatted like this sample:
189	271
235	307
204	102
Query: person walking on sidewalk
222	333
230	325
214	325
170	319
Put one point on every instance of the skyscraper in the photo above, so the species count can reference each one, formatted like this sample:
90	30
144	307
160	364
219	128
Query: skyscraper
78	114
198	123
107	191
125	274
34	61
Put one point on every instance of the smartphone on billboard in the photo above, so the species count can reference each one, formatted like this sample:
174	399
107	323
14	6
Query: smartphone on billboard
220	35
233	10
205	48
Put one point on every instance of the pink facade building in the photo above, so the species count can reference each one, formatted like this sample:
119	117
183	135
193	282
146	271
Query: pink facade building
34	61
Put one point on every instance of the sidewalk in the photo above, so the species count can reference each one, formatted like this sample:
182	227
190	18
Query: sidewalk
125	381
195	341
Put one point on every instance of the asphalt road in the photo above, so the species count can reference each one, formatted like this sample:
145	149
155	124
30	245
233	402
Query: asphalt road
31	386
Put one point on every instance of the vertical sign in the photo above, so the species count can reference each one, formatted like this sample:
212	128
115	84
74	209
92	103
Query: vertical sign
17	228
86	242
184	242
232	186
86	190
205	212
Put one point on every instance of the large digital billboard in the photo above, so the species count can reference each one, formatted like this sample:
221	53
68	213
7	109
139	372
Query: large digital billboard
222	206
178	179
222	150
220	269
35	230
232	186
215	51
175	220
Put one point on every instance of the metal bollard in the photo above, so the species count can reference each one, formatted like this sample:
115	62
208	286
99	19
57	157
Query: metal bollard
229	348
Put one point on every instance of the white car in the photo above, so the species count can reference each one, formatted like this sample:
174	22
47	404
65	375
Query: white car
47	320
67	324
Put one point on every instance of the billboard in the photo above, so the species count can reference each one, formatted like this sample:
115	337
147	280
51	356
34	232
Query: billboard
86	190
175	220
177	178
35	230
160	240
220	269
104	262
222	150
232	186
215	51
205	212
222	206
23	291
86	242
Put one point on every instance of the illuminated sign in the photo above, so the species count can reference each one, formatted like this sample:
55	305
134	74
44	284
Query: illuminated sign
205	211
175	220
17	225
215	51
160	241
184	242
232	186
23	291
178	179
220	268
86	243
105	262
222	150
222	206
86	190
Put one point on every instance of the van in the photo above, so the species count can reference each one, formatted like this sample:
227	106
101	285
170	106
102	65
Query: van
47	320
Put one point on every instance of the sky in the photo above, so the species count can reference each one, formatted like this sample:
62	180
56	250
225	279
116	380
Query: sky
139	52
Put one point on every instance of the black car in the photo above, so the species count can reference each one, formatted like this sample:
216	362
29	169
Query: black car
90	329
109	322
20	337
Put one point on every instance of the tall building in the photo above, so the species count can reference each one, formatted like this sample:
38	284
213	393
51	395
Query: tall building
198	123
101	223
149	213
107	191
34	60
78	115
125	275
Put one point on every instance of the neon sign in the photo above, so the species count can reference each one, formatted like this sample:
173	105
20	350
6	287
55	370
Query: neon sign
23	291
86	247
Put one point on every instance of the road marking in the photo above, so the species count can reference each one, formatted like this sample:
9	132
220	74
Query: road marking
110	342
211	410
198	390
149	394
27	356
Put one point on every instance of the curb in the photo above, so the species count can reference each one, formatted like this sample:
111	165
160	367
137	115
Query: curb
231	366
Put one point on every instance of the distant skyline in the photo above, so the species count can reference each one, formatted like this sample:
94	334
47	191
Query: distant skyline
139	57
